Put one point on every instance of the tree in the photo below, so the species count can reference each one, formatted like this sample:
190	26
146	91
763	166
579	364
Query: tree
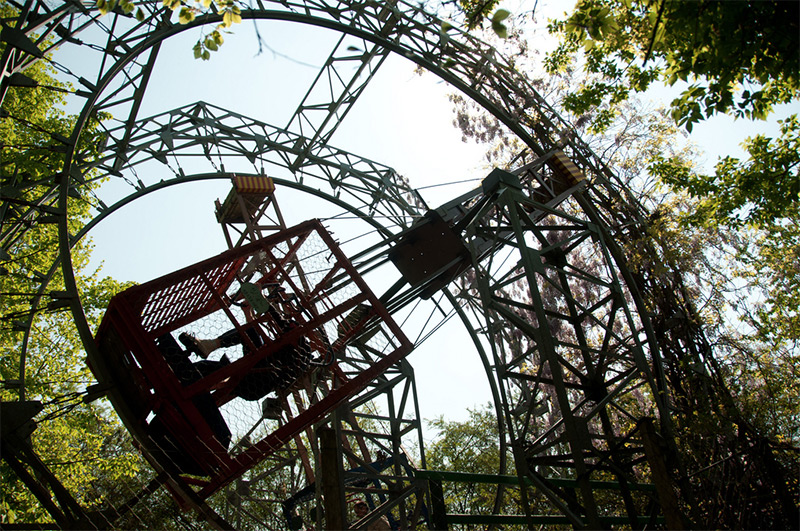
759	191
734	394
754	203
731	385
737	58
470	446
741	58
82	444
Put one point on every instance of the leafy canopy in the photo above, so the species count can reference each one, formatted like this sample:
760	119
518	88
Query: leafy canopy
82	444
740	58
471	445
758	191
187	12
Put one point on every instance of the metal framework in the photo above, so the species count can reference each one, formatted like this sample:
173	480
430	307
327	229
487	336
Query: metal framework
541	285
373	429
568	349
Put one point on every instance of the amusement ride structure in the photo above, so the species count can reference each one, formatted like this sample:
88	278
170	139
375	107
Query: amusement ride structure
307	400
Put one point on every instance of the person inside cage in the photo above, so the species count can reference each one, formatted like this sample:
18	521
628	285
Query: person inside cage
188	372
278	371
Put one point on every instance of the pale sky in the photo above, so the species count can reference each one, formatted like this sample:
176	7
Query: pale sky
403	120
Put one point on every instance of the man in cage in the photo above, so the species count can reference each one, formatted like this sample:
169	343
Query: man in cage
188	372
278	371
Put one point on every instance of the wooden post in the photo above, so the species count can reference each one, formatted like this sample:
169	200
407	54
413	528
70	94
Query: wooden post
331	478
661	477
438	507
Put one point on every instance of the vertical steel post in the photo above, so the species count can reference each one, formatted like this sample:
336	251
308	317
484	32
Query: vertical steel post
331	478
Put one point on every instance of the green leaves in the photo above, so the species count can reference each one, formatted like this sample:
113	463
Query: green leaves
200	52
478	10
214	41
211	43
774	264
758	192
471	446
497	23
189	11
186	15
106	6
231	15
79	442
742	58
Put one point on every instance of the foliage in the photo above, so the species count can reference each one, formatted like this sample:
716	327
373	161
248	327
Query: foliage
125	6
735	395
747	260
724	242
468	446
773	261
766	368
476	10
79	442
741	58
759	191
188	11
733	385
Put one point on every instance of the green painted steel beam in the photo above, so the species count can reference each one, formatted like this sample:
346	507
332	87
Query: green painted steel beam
546	519
495	479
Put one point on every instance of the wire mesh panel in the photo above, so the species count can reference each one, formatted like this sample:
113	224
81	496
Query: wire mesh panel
206	364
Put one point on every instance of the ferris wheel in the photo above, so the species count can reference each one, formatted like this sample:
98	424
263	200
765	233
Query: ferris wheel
269	384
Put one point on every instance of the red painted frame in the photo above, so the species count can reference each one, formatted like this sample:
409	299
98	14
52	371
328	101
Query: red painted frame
142	382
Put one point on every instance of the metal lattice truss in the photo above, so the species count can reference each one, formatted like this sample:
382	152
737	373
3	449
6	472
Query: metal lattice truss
549	301
571	358
200	139
372	429
118	54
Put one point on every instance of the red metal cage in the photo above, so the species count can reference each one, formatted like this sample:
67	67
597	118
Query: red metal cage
290	296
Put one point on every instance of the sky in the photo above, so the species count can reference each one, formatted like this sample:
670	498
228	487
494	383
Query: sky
403	120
